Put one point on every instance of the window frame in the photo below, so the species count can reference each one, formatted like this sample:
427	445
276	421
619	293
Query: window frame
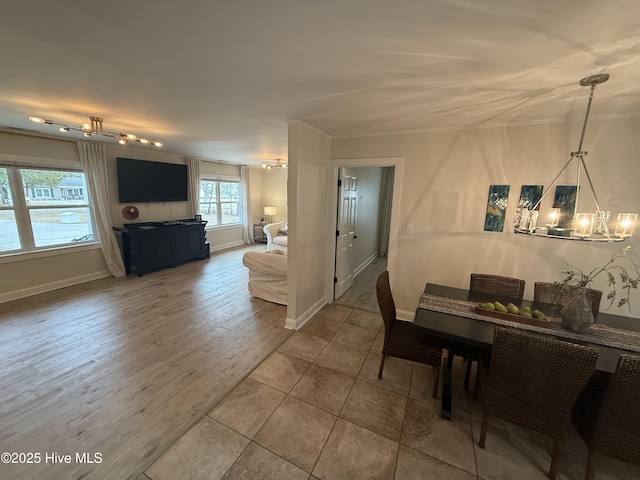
21	209
218	202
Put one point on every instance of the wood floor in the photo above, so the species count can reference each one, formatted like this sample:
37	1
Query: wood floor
123	367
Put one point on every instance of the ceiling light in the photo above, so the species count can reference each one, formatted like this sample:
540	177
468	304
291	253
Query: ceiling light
278	164
95	127
582	224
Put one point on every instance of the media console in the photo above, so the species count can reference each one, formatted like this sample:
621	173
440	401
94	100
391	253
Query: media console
148	246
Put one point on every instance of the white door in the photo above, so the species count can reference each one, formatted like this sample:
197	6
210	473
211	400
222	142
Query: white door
345	234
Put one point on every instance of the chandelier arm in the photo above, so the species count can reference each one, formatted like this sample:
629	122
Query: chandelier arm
544	194
595	197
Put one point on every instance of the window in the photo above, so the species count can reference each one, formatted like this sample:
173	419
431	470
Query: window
220	202
41	208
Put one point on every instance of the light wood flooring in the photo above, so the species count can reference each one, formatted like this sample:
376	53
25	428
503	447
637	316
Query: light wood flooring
124	367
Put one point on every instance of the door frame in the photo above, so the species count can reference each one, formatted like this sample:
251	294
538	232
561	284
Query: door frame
332	208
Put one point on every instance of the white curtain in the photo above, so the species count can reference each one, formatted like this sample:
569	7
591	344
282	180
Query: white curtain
245	217
94	162
386	197
194	185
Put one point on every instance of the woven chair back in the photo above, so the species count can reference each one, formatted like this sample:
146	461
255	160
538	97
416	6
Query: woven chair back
618	428
558	294
540	371
385	301
497	285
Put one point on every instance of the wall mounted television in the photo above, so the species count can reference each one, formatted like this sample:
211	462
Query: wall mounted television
146	181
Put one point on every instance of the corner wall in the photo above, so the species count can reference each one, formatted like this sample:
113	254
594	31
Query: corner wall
309	151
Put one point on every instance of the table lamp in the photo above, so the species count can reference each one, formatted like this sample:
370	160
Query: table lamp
270	212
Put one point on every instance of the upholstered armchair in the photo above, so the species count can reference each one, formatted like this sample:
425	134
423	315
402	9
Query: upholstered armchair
276	234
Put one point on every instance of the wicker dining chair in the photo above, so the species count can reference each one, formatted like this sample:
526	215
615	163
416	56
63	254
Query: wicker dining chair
494	286
558	294
406	339
607	415
497	285
533	381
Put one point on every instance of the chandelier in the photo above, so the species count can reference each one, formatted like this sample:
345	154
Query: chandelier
278	164
592	226
94	127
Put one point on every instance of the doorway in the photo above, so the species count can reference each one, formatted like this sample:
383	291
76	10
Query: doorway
371	238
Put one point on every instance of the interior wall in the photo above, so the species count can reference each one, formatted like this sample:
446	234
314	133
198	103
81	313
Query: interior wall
445	189
309	151
274	192
365	247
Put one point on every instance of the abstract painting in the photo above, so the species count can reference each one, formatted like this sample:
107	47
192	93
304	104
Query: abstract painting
496	208
565	200
529	196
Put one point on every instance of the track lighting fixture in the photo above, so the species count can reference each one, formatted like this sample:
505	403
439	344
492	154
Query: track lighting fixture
94	127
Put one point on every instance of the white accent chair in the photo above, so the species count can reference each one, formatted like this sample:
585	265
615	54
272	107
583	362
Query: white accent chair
276	236
267	275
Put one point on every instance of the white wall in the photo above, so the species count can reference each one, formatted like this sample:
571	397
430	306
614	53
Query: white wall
274	192
365	247
308	159
444	195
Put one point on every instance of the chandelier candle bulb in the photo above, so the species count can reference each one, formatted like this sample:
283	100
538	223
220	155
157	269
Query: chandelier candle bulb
553	217
626	224
583	224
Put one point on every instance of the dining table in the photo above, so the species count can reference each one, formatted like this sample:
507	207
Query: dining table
455	315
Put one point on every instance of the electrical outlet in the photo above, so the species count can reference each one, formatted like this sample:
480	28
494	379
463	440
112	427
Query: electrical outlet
409	229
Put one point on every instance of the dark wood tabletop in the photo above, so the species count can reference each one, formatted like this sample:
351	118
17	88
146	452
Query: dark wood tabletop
611	335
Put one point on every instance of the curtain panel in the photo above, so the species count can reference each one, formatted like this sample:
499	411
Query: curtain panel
94	163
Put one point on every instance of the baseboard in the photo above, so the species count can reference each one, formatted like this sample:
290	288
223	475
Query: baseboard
364	264
224	246
297	323
48	287
405	315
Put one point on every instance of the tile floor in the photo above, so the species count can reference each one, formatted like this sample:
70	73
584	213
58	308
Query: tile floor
315	409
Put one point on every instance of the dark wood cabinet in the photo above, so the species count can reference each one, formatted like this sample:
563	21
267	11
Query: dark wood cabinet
154	245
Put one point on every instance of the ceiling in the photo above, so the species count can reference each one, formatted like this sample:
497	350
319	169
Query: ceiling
219	79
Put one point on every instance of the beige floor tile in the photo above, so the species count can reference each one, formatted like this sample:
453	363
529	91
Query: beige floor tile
376	409
353	452
446	440
422	384
280	371
378	343
204	452
321	327
355	336
335	312
574	460
258	462
415	465
323	388
297	432
247	407
304	346
369	320
396	375
343	358
507	455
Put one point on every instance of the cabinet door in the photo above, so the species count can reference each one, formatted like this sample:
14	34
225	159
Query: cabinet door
188	244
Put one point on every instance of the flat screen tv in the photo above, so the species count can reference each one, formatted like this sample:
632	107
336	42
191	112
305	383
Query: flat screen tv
145	181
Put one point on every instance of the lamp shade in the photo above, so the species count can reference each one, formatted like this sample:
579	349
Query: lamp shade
269	211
